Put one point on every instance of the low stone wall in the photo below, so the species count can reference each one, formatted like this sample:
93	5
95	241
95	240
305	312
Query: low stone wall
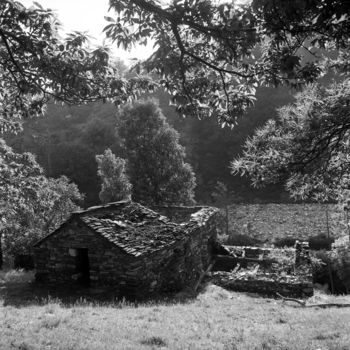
265	284
270	222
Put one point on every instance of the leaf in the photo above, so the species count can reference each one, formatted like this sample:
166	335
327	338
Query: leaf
109	19
38	5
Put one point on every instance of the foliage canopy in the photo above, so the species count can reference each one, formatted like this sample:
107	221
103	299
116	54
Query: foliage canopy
210	55
37	65
31	204
308	147
207	53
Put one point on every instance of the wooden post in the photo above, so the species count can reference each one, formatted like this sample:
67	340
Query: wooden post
227	218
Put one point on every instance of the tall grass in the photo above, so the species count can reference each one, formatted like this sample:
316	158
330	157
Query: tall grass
215	320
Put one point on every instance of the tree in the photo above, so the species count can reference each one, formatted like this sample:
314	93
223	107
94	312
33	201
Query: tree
39	214
31	205
156	166
36	66
205	49
115	182
17	174
307	148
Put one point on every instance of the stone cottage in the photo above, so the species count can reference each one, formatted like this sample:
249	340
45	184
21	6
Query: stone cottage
137	250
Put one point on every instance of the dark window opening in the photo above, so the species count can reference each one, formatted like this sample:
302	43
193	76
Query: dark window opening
82	266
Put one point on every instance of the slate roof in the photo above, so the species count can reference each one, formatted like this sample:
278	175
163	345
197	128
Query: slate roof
132	227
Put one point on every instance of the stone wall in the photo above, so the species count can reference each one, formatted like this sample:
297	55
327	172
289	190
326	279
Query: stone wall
203	224
265	284
55	264
270	222
182	264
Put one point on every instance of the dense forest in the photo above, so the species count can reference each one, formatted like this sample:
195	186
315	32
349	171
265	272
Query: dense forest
67	139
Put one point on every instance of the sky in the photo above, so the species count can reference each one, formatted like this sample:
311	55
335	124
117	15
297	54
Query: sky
88	15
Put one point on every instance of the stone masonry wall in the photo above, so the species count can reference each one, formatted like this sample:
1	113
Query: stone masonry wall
54	263
265	284
207	224
270	222
181	265
203	224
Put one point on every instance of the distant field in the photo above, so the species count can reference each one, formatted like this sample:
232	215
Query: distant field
215	319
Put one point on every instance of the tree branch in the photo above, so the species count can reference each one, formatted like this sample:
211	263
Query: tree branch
8	48
199	59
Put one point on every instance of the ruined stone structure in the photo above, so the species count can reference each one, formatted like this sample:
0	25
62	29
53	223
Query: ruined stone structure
133	248
266	271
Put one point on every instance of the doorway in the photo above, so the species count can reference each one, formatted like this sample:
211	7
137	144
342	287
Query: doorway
82	266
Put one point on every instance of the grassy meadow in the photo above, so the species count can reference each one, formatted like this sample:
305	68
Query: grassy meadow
214	319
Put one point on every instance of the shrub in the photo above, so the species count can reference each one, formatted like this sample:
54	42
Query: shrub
321	242
324	270
24	261
241	240
318	242
284	242
154	341
341	256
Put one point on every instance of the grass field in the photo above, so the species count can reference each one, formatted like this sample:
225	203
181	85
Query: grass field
214	319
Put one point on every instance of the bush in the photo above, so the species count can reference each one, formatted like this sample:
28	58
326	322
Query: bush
324	270
318	242
341	256
241	240
284	242
321	242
